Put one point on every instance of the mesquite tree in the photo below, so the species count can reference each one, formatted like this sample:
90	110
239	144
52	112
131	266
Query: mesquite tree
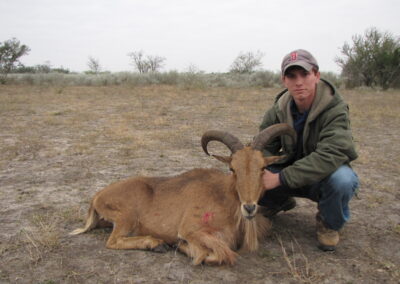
372	60
247	62
146	64
94	65
10	52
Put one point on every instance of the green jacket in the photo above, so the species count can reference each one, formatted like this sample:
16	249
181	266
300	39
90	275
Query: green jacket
327	138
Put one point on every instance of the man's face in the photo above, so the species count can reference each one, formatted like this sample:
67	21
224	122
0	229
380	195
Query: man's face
302	86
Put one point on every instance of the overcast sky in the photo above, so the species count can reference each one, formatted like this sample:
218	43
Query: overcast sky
206	33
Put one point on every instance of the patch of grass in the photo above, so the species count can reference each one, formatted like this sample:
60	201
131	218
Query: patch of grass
9	152
46	232
42	237
297	263
48	282
45	235
24	195
82	148
71	215
60	112
396	228
267	254
374	201
384	264
23	149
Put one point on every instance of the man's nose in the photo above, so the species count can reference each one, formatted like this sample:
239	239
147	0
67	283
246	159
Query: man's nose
299	81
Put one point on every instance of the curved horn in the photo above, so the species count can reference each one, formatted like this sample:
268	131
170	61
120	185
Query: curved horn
226	138
271	132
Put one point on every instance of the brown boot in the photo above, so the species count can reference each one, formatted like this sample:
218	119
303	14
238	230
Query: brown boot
327	238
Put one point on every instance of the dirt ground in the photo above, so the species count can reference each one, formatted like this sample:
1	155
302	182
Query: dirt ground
59	145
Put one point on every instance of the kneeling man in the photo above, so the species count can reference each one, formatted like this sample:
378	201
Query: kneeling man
318	164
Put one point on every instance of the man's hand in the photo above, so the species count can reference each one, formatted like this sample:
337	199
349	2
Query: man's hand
270	180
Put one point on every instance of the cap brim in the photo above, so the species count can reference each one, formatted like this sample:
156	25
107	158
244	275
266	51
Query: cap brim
303	65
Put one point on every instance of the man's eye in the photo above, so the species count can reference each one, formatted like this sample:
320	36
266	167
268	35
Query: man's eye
290	76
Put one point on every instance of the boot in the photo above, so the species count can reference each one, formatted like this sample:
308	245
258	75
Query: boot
327	238
271	208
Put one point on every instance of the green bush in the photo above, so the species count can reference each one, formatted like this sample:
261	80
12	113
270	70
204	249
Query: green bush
372	60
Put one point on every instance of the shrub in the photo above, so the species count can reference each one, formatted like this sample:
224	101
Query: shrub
372	60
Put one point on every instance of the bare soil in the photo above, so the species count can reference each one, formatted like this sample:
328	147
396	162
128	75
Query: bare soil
59	145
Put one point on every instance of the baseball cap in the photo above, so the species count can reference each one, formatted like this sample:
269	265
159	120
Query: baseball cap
299	57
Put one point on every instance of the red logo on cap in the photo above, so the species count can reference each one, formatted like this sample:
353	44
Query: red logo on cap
293	56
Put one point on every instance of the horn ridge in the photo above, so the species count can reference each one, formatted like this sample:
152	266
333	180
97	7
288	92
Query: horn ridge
271	132
229	140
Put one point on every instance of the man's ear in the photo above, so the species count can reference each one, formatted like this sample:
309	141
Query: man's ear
283	81
224	159
318	75
273	159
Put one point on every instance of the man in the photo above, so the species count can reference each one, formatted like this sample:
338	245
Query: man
317	164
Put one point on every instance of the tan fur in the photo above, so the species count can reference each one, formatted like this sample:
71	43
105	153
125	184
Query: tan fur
201	211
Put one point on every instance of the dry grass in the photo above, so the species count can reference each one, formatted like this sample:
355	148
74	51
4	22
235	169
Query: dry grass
297	262
41	238
59	146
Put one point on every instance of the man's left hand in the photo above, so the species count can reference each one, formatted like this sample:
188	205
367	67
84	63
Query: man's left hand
270	180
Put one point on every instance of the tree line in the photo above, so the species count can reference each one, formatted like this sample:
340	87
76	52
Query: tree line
371	59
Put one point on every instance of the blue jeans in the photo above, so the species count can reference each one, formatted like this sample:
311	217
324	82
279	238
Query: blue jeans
333	195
